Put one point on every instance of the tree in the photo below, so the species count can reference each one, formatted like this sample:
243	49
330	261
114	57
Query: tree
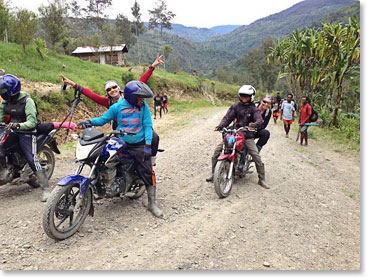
347	54
95	12
222	75
319	60
4	21
252	62
25	26
138	25
167	49
160	17
124	29
268	71
54	21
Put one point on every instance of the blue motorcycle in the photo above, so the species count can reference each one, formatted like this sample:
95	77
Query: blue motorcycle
112	174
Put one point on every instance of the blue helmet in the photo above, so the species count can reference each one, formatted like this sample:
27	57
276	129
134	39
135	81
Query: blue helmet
135	90
9	86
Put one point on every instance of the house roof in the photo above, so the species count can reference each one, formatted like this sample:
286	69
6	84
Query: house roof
102	49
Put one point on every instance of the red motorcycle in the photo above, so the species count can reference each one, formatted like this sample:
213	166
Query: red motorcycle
233	161
14	168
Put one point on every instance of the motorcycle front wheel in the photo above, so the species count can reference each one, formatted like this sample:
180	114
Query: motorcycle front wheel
65	212
223	184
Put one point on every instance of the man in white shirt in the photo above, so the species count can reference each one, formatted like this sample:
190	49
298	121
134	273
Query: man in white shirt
287	113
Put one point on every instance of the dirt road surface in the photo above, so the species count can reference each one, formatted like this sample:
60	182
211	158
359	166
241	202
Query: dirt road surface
308	220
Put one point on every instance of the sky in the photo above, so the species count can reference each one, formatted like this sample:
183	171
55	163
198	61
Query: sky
192	13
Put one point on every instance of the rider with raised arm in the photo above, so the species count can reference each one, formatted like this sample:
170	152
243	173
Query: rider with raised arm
114	94
133	115
23	117
246	114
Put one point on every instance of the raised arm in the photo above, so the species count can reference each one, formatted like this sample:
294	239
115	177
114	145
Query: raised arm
101	100
145	77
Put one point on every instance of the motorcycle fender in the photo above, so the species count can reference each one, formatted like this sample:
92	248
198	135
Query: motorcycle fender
71	179
53	145
226	157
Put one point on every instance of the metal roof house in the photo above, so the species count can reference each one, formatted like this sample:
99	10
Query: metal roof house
114	55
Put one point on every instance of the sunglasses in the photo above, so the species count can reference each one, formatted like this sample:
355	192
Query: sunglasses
110	88
266	102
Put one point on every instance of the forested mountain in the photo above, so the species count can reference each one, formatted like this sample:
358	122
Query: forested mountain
300	15
226	50
225	29
199	34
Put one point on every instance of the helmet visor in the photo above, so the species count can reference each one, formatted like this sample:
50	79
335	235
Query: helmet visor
244	95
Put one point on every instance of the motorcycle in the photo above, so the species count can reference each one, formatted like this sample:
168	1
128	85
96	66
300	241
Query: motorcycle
14	168
71	201
234	160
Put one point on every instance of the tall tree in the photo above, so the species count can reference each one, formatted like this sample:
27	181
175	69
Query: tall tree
160	17
95	11
167	49
4	21
25	26
138	25
53	17
124	30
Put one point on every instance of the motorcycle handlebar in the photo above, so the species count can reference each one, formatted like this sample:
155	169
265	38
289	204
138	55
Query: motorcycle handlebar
122	132
241	129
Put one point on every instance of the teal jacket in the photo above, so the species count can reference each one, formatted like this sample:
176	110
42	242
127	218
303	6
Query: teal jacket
133	119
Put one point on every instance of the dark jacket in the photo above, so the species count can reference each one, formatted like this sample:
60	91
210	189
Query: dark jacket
266	117
244	113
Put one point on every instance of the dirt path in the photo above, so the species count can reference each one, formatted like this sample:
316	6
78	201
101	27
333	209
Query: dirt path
309	219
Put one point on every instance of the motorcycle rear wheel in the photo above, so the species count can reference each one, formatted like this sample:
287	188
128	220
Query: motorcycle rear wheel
65	212
222	184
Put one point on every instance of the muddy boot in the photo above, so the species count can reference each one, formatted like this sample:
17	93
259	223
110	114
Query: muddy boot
43	181
261	174
152	206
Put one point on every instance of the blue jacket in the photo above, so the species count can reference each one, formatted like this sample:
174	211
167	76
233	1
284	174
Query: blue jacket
130	118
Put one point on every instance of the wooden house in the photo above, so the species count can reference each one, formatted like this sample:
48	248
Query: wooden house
115	55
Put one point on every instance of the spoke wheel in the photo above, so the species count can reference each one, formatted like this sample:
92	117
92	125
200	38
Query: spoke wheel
223	184
65	211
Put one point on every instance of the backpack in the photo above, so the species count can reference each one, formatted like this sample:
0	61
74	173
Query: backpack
314	116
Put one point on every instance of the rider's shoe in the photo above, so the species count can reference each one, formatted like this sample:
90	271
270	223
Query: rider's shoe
43	181
261	174
152	206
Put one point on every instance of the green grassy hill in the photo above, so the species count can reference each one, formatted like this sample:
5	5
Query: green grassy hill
30	67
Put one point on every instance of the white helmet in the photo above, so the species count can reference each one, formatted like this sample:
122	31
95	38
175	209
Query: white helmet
247	90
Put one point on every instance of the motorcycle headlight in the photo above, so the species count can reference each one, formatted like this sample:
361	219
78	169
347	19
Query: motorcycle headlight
230	140
82	152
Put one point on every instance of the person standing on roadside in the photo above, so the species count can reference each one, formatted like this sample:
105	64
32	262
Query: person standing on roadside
305	113
275	110
165	103
287	114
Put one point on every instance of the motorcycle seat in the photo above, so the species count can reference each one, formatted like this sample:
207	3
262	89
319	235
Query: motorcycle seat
88	142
